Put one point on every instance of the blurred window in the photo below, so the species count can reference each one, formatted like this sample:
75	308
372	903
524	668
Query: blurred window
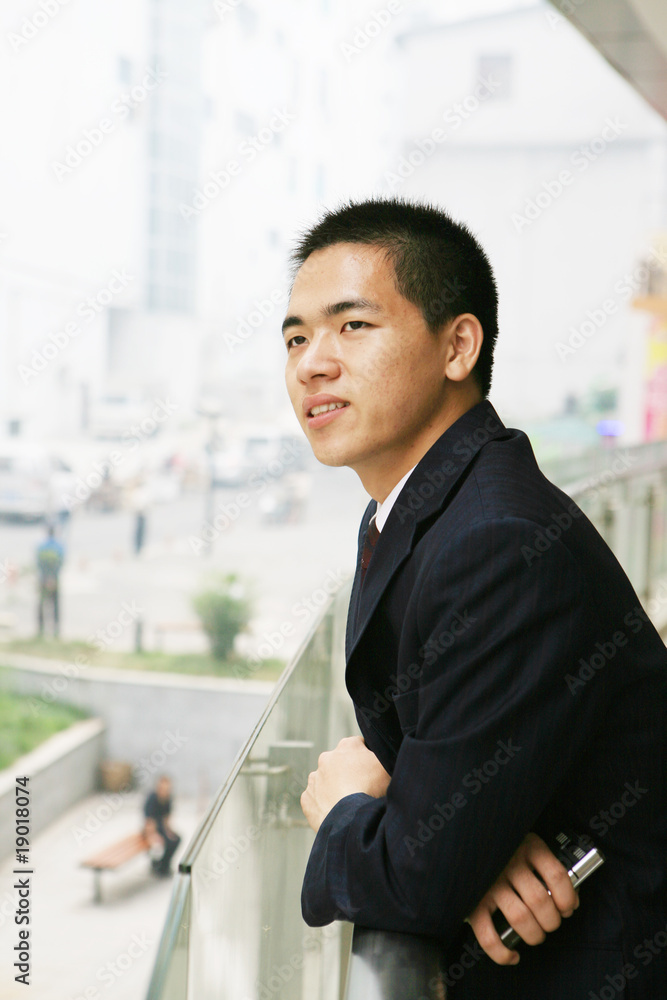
500	68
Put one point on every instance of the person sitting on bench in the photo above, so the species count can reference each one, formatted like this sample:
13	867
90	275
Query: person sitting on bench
157	829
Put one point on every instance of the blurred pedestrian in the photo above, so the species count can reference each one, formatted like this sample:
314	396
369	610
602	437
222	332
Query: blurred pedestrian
50	557
139	503
157	828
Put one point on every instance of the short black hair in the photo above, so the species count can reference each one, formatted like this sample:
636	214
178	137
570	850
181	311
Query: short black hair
439	265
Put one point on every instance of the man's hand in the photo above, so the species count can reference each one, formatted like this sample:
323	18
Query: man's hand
350	768
151	834
526	904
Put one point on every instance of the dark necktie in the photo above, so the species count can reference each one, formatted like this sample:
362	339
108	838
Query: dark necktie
372	535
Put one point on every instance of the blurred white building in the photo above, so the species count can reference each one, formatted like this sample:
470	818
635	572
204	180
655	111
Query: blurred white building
182	145
560	168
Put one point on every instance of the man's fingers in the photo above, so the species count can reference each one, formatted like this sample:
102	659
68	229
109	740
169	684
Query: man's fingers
552	872
519	915
534	898
482	924
350	742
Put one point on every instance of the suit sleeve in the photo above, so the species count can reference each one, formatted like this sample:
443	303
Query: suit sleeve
490	726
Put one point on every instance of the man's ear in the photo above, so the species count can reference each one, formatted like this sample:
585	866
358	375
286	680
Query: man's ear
465	337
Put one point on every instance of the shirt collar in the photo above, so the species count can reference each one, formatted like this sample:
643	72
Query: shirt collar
383	509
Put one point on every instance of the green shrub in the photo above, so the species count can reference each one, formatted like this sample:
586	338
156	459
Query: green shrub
224	611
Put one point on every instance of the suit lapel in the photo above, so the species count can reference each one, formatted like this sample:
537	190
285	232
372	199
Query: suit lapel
425	493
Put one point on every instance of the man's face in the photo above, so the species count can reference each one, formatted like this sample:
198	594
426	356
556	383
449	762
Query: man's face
163	788
353	339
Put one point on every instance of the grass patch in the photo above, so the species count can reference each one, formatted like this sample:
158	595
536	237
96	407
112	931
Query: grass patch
202	664
22	729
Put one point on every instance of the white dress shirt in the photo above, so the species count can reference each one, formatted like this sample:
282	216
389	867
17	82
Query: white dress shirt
382	512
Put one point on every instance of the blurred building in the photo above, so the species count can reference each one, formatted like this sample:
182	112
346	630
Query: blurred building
166	153
560	168
98	275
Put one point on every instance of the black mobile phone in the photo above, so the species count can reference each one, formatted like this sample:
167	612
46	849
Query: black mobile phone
581	858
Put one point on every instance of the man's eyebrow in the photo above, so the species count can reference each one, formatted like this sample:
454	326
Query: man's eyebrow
334	309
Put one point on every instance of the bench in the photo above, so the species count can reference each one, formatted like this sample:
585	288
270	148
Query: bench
114	856
161	628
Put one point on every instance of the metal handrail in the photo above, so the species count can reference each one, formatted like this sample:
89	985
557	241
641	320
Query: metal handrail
386	965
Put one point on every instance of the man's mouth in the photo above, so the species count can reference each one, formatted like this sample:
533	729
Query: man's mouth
315	410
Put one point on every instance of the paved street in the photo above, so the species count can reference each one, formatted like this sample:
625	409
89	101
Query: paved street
79	945
284	564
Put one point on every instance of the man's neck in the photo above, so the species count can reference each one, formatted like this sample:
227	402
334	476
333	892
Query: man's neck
379	481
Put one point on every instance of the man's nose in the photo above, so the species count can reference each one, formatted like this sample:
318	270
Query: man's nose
319	358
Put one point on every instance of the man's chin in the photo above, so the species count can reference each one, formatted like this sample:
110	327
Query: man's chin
333	460
335	457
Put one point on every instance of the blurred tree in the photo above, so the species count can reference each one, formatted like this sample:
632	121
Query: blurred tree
224	611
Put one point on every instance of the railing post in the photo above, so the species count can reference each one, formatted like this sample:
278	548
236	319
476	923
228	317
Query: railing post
608	519
650	505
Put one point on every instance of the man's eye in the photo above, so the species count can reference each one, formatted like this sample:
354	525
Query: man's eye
356	324
290	343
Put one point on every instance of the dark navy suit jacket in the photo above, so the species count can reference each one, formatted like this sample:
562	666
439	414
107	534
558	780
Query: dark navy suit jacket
505	673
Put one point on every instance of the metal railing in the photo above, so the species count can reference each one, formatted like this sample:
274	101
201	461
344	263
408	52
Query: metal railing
624	493
234	929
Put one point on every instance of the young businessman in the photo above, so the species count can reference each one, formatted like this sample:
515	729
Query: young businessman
473	648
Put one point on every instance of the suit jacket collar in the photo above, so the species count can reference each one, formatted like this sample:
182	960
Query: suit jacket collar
425	493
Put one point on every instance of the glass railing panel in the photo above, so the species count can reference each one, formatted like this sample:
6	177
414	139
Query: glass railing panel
247	940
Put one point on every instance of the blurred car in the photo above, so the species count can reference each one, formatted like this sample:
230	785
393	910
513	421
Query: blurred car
265	453
112	416
32	482
229	466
